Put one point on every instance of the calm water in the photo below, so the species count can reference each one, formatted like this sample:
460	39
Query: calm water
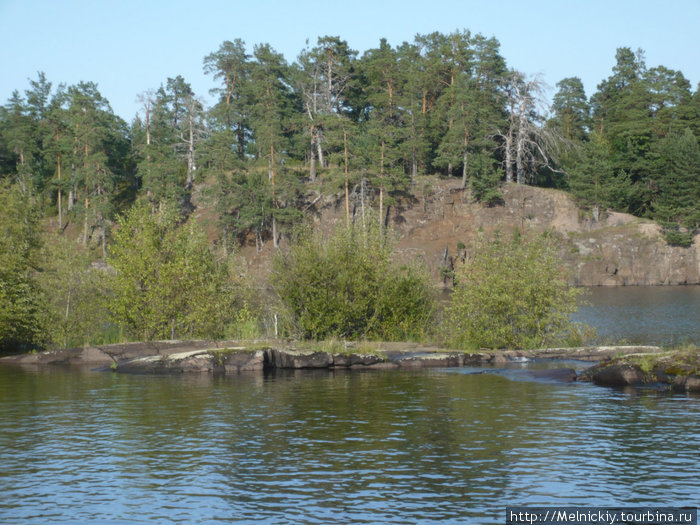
659	315
445	446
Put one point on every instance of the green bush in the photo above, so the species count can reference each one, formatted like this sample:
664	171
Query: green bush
511	294
167	282
675	237
348	287
23	312
76	292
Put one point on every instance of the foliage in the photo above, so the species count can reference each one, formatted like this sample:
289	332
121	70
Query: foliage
510	293
167	282
23	317
348	287
443	104
674	236
276	139
75	292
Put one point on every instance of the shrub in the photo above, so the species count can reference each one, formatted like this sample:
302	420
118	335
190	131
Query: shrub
348	287
511	294
23	314
675	237
167	282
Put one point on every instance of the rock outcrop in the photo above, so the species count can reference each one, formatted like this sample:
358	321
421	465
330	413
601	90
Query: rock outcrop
677	370
610	249
618	366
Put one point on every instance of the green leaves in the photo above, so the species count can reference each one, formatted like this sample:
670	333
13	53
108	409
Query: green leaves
347	286
23	314
166	281
510	294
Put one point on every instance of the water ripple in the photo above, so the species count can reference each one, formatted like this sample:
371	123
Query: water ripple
414	447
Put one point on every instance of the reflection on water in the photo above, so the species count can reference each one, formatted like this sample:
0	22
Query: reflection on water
644	314
322	447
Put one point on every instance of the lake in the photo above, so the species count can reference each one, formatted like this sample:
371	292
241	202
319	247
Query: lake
333	447
657	315
425	446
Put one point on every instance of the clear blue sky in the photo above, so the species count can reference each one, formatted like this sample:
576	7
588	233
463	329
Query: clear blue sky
129	46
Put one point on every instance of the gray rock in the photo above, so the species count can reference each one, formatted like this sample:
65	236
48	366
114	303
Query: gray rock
243	360
356	360
299	359
618	375
433	360
689	383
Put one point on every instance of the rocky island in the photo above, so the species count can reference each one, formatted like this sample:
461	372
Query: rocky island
617	366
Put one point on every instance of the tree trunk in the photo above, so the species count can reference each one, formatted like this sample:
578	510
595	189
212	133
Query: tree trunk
191	167
347	193
509	157
464	168
275	241
362	201
414	166
381	188
87	199
270	167
381	207
321	160
312	159
85	223
521	137
60	203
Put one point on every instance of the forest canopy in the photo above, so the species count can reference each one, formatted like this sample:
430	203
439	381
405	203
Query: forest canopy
361	127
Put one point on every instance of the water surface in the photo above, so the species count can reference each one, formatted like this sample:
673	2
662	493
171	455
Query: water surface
333	447
657	315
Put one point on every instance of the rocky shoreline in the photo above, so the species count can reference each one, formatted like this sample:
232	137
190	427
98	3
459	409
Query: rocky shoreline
618	366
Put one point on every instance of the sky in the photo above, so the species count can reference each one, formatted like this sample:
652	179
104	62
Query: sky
130	46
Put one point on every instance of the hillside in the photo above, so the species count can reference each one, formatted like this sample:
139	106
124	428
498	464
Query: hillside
618	249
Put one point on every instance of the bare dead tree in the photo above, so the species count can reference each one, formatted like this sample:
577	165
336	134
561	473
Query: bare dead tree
192	132
528	144
146	99
321	78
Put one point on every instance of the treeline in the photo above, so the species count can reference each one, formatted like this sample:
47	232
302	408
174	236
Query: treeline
364	125
279	136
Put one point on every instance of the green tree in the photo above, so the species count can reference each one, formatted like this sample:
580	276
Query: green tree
273	104
161	171
510	293
571	110
383	129
678	175
167	282
592	179
75	292
230	64
347	286
321	76
23	314
19	136
416	98
99	165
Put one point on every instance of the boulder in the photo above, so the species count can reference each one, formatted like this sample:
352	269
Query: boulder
194	361
432	360
299	359
356	360
618	375
689	383
242	360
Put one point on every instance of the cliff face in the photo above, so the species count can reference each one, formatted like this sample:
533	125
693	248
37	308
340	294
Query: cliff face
614	249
